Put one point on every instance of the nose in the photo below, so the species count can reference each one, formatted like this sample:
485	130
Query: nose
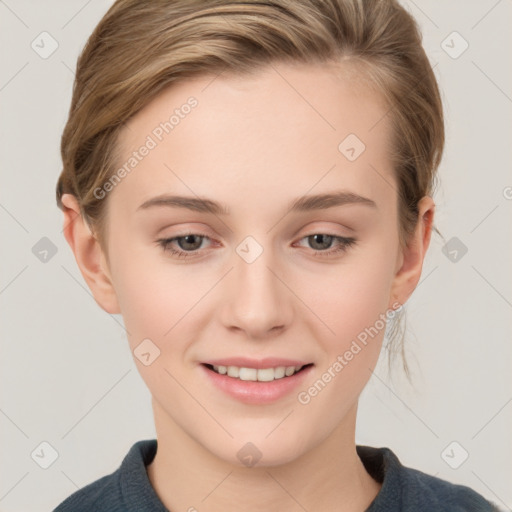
257	302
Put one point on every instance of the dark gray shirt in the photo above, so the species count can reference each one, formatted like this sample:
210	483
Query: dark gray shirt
403	489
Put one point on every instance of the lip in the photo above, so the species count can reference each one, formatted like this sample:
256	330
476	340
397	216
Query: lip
255	392
245	362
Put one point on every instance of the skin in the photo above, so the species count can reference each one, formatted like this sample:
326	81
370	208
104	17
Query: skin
256	143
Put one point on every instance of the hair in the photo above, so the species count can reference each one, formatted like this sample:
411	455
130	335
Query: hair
140	48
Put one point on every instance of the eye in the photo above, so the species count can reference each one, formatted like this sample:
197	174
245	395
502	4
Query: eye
188	244
320	242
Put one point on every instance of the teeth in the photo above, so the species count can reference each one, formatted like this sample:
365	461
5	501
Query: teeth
254	374
248	374
279	372
233	371
266	374
290	370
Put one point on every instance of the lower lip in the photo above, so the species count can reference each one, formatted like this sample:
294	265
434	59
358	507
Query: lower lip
255	392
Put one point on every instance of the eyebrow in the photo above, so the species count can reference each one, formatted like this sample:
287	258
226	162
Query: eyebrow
302	204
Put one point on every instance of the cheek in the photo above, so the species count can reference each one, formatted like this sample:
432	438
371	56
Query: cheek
350	298
354	308
160	303
152	296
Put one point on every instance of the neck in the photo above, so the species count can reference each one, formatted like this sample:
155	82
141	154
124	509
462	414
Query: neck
331	476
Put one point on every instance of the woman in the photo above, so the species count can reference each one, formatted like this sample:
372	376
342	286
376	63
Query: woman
249	184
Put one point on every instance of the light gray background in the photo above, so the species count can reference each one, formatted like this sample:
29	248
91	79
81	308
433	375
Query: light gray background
67	376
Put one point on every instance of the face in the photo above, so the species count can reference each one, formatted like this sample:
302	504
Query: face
248	268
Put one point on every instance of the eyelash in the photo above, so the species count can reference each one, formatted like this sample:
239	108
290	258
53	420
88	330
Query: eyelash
343	246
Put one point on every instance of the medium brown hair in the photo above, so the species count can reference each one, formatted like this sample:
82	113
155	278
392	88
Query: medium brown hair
139	48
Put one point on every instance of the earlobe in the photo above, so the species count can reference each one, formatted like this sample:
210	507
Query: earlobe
412	256
89	255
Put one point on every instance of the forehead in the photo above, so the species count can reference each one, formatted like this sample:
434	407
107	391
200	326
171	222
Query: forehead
281	131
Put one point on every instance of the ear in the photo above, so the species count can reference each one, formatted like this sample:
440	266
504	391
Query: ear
410	261
89	255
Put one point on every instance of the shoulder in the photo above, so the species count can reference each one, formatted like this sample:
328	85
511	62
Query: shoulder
114	492
102	492
406	488
421	489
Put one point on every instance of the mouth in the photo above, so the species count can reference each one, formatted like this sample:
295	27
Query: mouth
269	374
256	382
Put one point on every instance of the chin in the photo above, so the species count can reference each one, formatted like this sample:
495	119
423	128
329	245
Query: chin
258	452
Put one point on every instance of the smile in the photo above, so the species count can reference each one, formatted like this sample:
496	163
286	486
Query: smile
256	374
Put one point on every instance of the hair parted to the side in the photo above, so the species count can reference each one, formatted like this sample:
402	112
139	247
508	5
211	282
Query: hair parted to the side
140	48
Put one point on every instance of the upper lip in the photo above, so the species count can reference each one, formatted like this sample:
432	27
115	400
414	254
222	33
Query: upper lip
244	362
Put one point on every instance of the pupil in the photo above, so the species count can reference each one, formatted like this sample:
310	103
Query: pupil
326	239
187	242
